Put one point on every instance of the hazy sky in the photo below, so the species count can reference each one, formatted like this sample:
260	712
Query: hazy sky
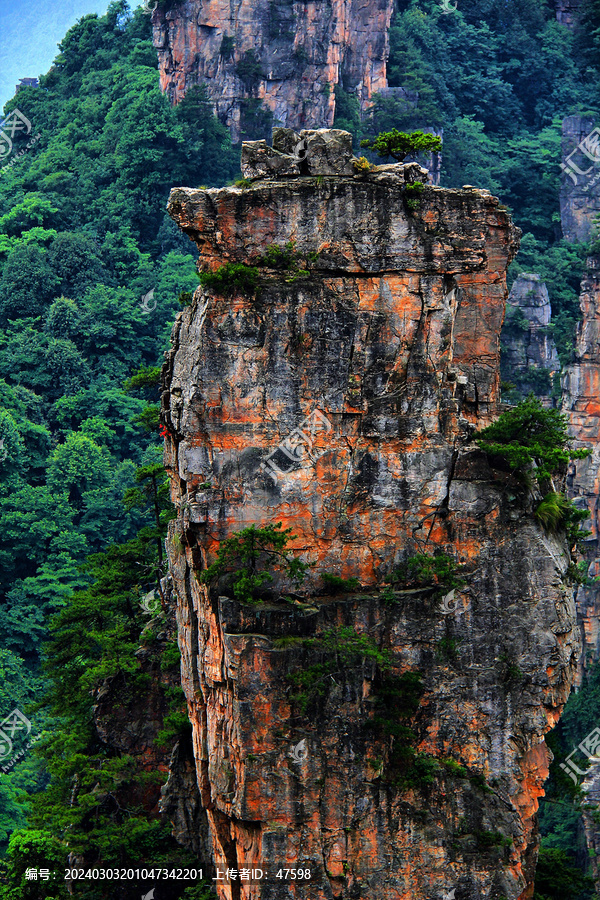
30	31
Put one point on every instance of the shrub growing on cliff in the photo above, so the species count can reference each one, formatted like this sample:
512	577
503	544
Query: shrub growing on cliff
231	278
422	570
398	144
551	510
361	166
246	558
530	437
556	510
337	652
286	258
397	700
412	194
336	585
250	69
277	257
185	298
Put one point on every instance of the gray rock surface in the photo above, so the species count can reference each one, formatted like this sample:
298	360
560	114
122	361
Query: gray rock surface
529	354
259	161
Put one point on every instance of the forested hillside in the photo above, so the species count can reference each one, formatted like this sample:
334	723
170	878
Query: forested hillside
498	79
91	275
84	240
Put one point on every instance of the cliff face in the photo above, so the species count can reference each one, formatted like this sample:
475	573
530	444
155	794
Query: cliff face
580	184
529	355
339	398
290	55
581	402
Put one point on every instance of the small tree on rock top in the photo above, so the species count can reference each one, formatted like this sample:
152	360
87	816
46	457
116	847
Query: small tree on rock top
398	144
248	556
530	437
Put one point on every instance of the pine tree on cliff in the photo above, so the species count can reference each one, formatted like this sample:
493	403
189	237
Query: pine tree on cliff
398	144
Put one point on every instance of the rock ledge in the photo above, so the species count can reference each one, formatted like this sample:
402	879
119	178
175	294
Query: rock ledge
323	151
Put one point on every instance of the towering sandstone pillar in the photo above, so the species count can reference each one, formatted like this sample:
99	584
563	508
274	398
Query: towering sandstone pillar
580	180
337	392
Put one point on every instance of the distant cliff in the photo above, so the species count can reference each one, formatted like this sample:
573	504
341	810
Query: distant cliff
567	12
580	181
581	402
338	395
289	55
529	356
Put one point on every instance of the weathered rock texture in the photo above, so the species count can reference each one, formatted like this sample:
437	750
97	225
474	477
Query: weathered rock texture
288	54
386	353
581	402
529	355
580	182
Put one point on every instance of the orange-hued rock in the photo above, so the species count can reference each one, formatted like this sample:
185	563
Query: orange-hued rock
290	56
362	374
581	403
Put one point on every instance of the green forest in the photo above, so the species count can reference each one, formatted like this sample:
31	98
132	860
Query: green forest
91	274
498	78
